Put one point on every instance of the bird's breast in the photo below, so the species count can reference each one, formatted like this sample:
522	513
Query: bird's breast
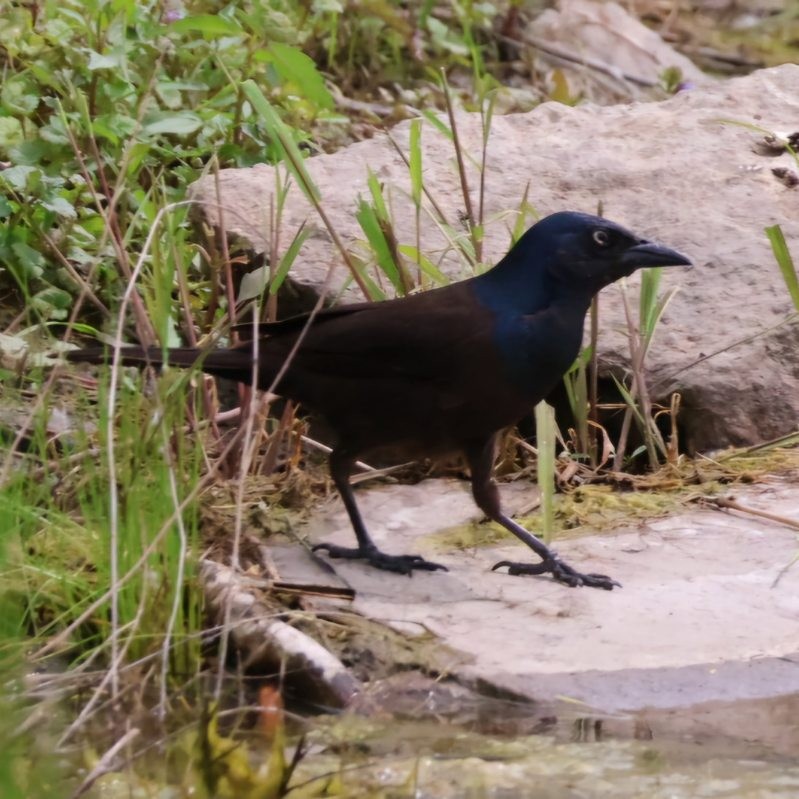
536	351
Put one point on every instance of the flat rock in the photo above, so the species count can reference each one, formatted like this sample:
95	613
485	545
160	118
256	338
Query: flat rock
679	170
699	618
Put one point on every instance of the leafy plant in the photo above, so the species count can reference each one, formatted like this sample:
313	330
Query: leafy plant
651	307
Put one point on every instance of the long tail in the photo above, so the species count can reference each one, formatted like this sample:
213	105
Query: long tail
234	364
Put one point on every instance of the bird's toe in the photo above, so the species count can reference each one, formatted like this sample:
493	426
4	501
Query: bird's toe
398	564
564	573
336	551
403	564
517	569
561	572
600	581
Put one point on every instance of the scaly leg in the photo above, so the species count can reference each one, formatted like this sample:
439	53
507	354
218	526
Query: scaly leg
341	464
481	461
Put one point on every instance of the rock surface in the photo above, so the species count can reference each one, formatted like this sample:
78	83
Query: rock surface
699	618
605	33
678	170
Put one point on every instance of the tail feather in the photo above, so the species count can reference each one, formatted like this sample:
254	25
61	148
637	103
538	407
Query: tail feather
136	356
235	364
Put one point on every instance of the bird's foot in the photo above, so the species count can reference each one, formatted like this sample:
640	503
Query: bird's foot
561	572
400	564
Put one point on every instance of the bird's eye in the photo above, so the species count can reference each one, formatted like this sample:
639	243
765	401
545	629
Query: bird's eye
601	237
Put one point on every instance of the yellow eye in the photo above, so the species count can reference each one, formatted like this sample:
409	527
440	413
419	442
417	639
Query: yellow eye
601	237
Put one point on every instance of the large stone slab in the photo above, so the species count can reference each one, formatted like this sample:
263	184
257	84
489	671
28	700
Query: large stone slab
676	170
699	617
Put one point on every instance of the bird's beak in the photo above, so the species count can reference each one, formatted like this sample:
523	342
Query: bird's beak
648	254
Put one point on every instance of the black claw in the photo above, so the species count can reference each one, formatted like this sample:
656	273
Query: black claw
561	572
399	564
523	568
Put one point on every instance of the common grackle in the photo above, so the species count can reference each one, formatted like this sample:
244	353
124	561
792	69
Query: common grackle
441	371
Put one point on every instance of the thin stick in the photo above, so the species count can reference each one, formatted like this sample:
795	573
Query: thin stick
177	597
467	199
106	762
731	504
247	453
593	380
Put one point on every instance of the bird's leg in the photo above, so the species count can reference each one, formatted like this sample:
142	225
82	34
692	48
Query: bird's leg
341	464
486	495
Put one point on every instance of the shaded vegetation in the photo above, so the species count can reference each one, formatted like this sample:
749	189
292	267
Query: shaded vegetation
113	489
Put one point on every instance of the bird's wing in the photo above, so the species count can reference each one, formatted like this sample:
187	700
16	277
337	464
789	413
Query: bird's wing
417	337
296	323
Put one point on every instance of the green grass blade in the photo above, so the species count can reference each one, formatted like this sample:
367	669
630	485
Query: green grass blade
784	261
524	210
279	131
415	158
370	224
424	263
212	26
545	438
655	316
650	283
628	398
435	120
288	258
300	70
378	200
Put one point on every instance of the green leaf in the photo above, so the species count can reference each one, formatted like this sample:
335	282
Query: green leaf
280	133
582	360
101	61
378	201
288	258
446	38
655	317
16	29
253	284
630	401
522	212
31	153
434	118
60	206
373	291
650	283
784	261
330	6
415	160
31	261
18	177
295	67
183	124
367	219
545	465
11	133
210	25
424	263
88	330
54	132
6	208
19	95
169	94
114	127
52	303
560	91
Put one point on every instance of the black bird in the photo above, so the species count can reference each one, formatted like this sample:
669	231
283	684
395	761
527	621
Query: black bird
442	371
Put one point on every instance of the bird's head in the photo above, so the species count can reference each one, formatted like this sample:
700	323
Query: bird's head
571	255
588	251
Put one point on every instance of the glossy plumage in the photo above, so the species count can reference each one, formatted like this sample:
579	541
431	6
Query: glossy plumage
445	370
